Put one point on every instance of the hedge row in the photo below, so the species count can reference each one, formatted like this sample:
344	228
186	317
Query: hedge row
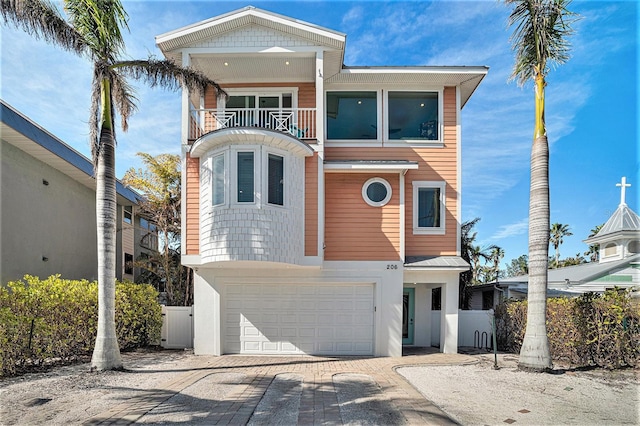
590	330
56	319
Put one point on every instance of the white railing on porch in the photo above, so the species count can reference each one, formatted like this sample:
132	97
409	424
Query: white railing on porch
299	122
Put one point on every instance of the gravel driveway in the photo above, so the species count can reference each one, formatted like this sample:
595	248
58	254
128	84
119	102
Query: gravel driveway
470	394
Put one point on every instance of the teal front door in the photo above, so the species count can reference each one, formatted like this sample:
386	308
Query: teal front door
408	311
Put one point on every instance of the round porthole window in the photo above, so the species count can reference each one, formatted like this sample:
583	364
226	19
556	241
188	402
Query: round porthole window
376	192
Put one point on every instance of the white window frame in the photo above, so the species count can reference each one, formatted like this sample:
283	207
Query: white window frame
436	143
233	177
265	177
439	230
368	200
225	158
359	143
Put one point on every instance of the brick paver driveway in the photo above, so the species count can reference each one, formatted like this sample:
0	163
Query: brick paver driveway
318	399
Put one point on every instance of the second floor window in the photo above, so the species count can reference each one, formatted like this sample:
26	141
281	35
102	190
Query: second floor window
245	177
276	180
127	216
352	115
428	207
413	115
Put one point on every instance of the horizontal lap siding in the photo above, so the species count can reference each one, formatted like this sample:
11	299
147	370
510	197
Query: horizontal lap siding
434	164
193	206
311	206
353	229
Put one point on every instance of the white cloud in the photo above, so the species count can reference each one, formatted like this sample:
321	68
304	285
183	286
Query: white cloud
511	230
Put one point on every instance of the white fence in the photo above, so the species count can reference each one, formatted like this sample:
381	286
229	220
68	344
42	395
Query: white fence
177	327
474	328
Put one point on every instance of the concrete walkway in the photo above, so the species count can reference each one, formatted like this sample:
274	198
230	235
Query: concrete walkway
370	385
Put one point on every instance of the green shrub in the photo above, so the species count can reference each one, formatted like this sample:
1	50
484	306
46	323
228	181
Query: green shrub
56	319
590	330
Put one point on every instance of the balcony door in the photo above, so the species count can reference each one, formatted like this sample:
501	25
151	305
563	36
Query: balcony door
269	110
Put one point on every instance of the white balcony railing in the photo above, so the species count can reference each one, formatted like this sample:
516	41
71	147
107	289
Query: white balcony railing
299	122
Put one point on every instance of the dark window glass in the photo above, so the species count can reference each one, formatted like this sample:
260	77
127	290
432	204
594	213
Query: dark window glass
413	115
245	177
276	179
352	115
429	207
376	192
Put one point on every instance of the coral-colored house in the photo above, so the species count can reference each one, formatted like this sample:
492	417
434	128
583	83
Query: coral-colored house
321	203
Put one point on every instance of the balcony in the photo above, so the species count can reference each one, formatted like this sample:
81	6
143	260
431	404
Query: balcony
299	122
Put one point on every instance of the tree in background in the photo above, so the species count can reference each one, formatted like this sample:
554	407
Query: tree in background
518	266
159	183
496	255
93	29
467	238
556	234
540	38
593	252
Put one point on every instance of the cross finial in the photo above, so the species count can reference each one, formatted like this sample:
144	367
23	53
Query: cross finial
623	185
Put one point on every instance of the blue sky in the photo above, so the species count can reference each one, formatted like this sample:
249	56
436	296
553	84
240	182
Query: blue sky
592	101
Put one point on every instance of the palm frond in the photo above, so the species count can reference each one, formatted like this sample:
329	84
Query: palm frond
540	38
124	98
165	73
100	23
41	19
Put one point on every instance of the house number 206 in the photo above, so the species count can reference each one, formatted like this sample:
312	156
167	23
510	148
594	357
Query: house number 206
392	266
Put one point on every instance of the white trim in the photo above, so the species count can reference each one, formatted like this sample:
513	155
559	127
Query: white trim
437	143
458	173
402	216
371	142
285	178
357	167
440	230
233	181
365	195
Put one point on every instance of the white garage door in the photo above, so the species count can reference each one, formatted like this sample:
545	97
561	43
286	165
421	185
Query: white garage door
319	319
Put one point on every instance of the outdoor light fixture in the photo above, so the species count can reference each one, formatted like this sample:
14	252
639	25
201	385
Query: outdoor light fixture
226	64
45	259
45	182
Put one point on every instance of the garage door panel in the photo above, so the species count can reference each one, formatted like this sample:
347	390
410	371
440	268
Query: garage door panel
332	319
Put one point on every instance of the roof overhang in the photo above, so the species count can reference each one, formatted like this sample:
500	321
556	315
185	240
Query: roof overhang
369	166
436	263
24	134
467	78
249	135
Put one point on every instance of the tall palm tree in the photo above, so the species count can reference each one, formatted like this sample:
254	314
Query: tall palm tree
93	29
539	39
467	239
557	232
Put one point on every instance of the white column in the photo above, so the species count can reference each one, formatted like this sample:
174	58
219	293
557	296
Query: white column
206	316
449	316
186	61
320	138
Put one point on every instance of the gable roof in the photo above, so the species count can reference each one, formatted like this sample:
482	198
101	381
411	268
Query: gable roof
250	15
28	136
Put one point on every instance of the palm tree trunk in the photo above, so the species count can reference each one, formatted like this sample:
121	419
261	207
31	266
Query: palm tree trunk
535	353
106	353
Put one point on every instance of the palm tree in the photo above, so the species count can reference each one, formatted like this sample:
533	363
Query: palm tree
496	255
539	39
594	252
93	29
557	232
467	238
